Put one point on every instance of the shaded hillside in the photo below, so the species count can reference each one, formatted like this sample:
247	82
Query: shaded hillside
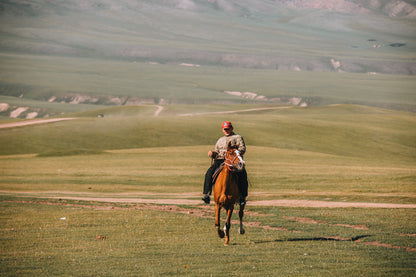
283	35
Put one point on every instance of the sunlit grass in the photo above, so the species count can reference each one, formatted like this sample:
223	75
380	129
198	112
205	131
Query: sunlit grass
279	172
60	240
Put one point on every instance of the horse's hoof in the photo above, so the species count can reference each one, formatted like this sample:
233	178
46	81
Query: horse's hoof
226	244
241	231
221	234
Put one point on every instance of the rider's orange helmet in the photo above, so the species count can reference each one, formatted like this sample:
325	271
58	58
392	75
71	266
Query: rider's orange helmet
227	125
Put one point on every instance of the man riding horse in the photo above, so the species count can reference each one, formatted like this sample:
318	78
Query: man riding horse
218	155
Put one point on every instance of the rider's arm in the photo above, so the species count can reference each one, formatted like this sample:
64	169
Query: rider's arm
220	148
241	145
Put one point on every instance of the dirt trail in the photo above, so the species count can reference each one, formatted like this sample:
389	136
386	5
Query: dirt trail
158	111
43	121
276	203
33	122
189	199
237	111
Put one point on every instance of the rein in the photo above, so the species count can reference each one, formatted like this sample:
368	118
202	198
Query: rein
230	162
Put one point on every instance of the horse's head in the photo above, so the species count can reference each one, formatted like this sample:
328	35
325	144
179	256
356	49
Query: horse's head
233	159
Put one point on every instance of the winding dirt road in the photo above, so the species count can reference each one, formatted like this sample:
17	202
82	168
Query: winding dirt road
237	111
44	121
156	113
33	122
276	203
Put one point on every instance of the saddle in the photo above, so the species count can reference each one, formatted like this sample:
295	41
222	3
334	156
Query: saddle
217	172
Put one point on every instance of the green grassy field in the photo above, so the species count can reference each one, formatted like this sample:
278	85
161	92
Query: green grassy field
36	240
339	153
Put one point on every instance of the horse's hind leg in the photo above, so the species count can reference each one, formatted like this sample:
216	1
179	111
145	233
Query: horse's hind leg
217	220
241	214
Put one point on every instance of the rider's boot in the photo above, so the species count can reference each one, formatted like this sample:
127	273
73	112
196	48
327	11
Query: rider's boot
206	199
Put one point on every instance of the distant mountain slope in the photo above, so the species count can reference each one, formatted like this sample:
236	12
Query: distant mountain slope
348	35
393	8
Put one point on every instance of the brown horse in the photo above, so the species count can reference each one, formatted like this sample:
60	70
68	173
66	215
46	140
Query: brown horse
226	192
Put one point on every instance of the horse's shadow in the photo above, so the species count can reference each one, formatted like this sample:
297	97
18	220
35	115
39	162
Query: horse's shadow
314	239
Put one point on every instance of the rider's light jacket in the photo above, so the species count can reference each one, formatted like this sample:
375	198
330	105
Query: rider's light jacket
222	143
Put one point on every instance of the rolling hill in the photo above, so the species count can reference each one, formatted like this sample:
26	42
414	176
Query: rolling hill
343	130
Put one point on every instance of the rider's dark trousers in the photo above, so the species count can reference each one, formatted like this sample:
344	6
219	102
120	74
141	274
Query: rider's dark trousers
242	179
